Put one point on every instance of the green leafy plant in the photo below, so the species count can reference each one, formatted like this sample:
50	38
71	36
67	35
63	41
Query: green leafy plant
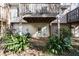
16	42
53	45
58	45
65	32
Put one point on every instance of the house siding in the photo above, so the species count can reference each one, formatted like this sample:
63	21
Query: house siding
32	29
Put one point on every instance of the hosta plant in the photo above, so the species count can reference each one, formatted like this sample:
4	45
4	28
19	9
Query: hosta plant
16	42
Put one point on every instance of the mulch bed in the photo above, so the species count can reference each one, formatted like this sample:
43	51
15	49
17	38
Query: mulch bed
33	51
27	52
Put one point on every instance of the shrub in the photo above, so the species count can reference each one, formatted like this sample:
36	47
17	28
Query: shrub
65	32
65	37
16	42
59	45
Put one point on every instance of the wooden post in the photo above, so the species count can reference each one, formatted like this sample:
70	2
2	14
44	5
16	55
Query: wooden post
8	16
58	22
20	21
1	28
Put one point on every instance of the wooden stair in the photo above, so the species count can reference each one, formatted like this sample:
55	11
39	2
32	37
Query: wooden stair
75	43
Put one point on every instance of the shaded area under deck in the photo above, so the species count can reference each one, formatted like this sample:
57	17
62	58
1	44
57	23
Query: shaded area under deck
39	19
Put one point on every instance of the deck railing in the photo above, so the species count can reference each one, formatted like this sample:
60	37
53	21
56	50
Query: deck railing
39	8
73	16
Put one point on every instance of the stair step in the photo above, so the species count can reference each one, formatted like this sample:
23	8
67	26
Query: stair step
75	43
76	46
75	38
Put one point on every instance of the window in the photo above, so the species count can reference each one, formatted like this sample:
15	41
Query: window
14	13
